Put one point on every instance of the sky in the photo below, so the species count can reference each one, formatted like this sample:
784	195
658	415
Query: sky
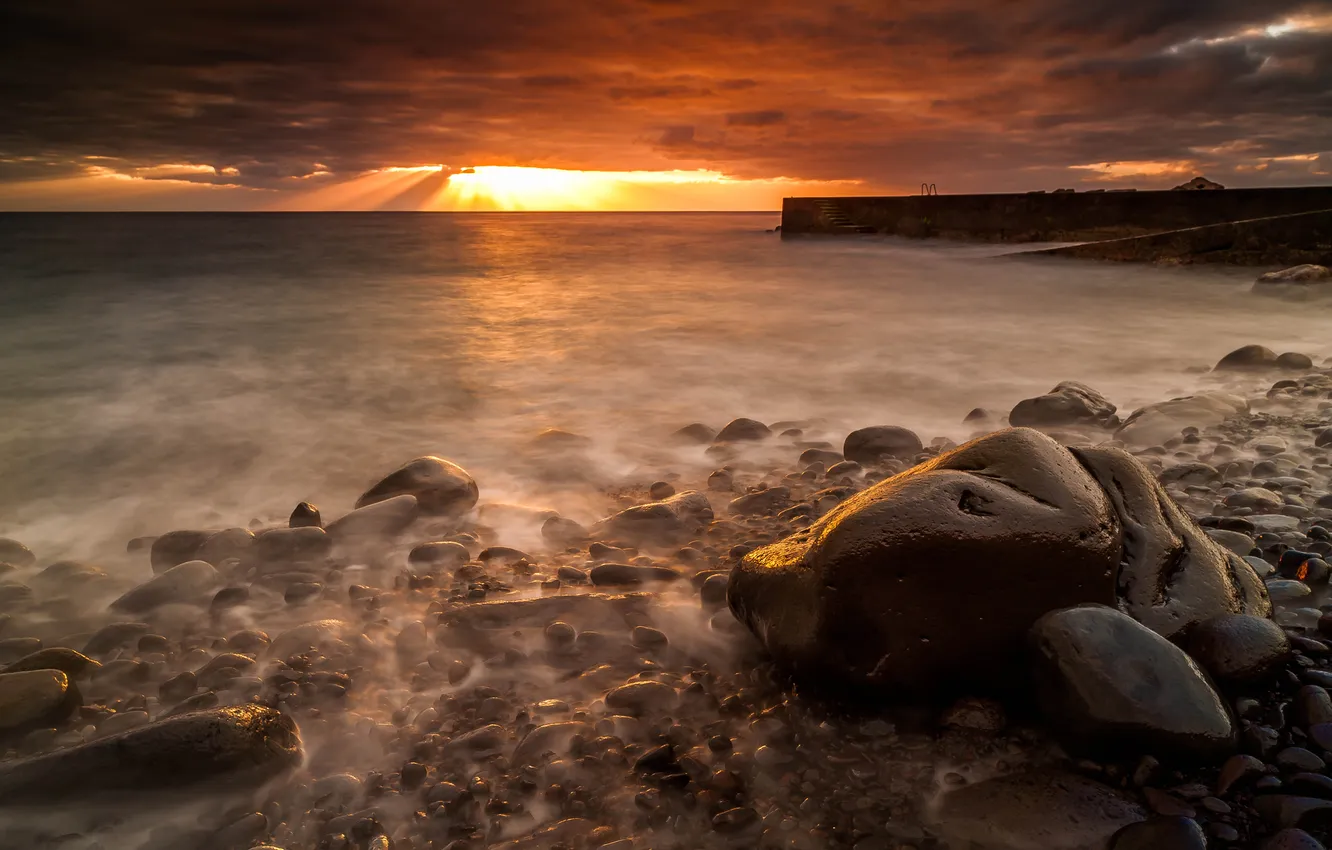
648	104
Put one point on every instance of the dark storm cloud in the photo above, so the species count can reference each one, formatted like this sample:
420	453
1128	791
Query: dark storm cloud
267	93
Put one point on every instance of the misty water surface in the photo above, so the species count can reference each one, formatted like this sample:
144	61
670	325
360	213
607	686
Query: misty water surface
203	370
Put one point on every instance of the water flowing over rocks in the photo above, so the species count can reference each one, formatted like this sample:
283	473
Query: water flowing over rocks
183	583
666	522
843	638
241	744
1156	423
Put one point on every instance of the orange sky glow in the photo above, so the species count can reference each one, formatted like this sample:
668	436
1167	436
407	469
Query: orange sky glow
684	105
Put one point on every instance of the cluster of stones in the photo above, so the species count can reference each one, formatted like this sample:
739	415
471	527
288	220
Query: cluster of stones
1043	648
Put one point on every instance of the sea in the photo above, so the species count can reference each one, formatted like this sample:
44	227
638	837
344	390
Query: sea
202	370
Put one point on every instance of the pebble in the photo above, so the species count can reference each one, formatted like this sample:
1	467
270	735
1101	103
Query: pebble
1161	833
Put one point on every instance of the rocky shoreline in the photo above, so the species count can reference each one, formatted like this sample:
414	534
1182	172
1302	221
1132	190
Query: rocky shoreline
820	639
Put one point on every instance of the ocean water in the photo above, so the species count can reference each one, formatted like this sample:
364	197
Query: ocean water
204	370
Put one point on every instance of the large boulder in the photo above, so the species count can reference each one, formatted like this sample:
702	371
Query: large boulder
1246	358
243	745
1156	423
1109	684
442	488
666	522
871	445
1173	575
993	535
1069	403
1035	810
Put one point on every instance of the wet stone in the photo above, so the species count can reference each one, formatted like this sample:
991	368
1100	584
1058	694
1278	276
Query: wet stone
305	515
621	575
1298	759
1107	682
14	552
1239	650
35	698
1161	833
1292	839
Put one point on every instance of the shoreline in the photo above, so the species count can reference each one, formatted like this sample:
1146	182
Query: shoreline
417	678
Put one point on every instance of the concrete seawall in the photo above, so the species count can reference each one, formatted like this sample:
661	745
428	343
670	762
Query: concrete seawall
1044	217
1277	240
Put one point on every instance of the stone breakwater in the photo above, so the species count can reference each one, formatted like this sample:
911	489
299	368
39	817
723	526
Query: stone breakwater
1077	630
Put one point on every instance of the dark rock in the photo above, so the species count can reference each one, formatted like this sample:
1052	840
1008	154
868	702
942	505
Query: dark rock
442	553
185	583
1174	576
114	636
1107	682
554	738
641	697
229	597
1311	785
713	590
240	744
1248	357
225	545
977	715
823	456
661	490
291	545
14	552
1320	735
176	547
1156	423
1036	810
696	434
874	444
1292	839
1312	706
613	575
441	488
72	664
995	533
563	532
1294	361
35	698
1302	566
305	515
1304	274
743	430
1069	403
1235	769
1239	650
376	521
669	522
768	501
1161	833
1298	758
1282	811
735	820
846	467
